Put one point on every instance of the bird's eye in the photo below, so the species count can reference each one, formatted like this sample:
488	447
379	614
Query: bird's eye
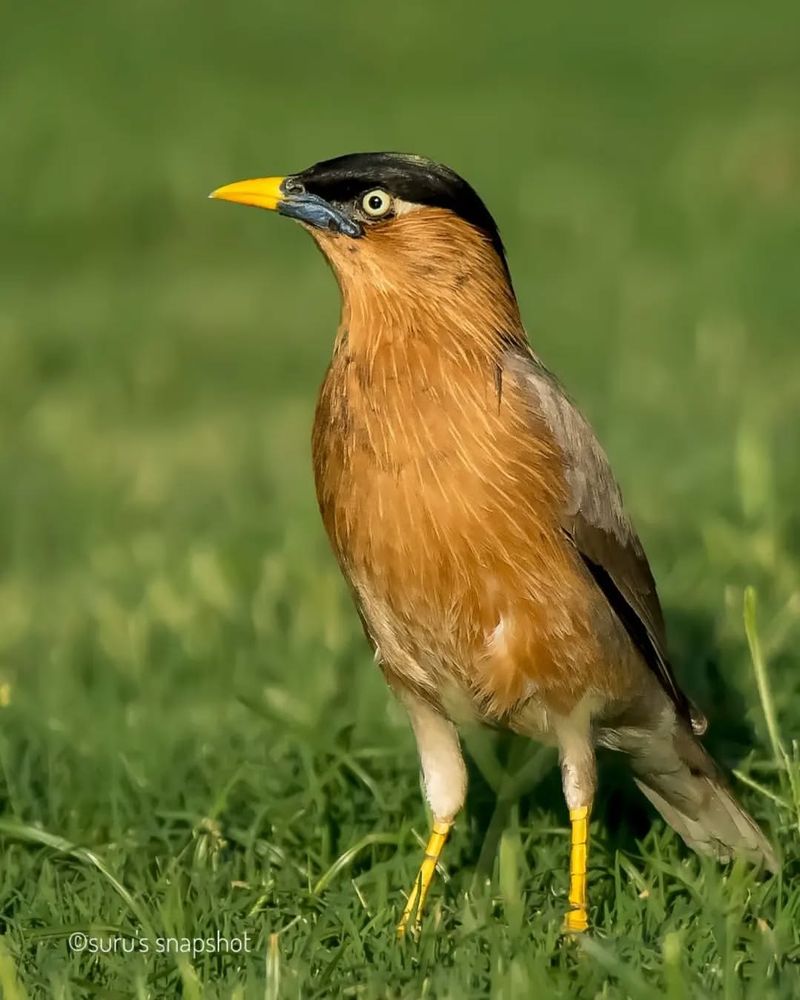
376	203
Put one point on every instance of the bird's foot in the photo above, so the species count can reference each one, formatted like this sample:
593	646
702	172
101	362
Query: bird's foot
412	913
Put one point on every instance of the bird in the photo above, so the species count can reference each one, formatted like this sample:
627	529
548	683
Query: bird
476	519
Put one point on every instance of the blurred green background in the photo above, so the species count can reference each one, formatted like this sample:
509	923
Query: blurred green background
185	690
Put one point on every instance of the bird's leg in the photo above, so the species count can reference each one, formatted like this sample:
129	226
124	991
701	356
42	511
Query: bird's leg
579	777
445	781
576	919
422	883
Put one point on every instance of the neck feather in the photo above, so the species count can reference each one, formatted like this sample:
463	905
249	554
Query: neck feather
428	277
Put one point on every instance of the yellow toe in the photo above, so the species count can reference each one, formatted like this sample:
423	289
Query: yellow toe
422	883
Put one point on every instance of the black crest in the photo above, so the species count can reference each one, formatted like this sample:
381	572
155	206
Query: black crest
403	175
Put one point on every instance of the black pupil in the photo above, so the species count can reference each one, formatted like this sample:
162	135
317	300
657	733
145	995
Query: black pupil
375	202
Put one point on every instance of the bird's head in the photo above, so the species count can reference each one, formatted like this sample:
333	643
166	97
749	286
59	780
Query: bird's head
388	220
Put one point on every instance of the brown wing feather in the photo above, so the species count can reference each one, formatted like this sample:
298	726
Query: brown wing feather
596	522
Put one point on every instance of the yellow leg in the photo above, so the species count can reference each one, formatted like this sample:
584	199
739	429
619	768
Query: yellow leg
419	890
576	920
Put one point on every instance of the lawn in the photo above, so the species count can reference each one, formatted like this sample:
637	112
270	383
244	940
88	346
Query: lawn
194	740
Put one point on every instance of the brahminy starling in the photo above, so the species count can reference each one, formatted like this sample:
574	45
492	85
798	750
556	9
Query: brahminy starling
476	519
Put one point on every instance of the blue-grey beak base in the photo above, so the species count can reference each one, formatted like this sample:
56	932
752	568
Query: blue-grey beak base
317	212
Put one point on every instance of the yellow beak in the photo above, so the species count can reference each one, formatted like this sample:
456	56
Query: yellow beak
263	192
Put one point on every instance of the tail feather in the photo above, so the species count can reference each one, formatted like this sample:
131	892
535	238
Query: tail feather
685	785
717	826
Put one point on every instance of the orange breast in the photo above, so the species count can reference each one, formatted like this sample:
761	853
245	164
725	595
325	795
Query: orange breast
442	504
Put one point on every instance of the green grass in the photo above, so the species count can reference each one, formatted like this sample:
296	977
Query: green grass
196	740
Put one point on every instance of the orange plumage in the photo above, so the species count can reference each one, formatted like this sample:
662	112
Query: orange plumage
441	503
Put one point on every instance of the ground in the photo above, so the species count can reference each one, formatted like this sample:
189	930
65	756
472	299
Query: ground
193	737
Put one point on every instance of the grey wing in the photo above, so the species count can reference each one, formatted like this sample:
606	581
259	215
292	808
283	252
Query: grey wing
596	523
